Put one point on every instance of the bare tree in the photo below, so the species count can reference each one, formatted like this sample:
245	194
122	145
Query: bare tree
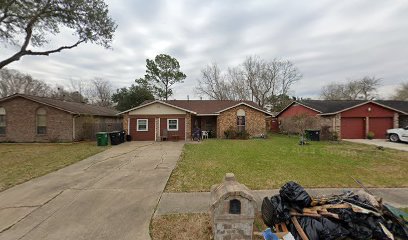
332	91
402	92
255	79
101	92
288	74
368	87
13	81
213	84
239	90
364	88
63	94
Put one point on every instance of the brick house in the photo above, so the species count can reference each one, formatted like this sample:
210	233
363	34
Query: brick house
149	121
25	118
352	119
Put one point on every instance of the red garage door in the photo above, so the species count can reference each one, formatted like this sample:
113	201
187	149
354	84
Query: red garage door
379	126
352	128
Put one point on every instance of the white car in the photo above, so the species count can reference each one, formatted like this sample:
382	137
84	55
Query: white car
398	134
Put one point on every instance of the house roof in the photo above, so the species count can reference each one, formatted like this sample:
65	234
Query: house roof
399	105
71	107
203	107
325	107
212	107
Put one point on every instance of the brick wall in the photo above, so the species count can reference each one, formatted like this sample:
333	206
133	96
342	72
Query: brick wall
155	130
21	122
403	121
255	121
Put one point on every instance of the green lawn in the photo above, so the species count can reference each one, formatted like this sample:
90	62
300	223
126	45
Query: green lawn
22	162
266	164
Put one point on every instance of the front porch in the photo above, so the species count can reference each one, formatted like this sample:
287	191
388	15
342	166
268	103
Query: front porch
205	123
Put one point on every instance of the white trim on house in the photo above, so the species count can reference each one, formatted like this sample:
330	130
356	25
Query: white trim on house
361	104
128	126
246	104
155	130
156	101
147	125
208	114
168	124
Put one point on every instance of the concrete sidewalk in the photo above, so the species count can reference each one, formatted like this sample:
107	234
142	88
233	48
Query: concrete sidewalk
381	142
111	195
198	202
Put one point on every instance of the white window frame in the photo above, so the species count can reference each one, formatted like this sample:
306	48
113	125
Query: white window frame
142	130
168	124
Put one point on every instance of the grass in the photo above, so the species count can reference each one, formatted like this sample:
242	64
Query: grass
191	226
268	164
22	162
194	226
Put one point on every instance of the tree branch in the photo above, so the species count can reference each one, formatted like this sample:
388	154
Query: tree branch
46	53
21	53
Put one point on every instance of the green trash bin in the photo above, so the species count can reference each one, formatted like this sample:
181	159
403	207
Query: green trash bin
102	139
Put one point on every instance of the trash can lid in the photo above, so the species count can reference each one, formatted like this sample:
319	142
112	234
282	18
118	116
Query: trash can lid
101	133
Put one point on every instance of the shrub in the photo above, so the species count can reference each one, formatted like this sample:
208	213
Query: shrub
230	133
242	135
335	136
299	123
370	135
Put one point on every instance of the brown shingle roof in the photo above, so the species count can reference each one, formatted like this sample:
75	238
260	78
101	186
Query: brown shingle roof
71	107
209	106
333	106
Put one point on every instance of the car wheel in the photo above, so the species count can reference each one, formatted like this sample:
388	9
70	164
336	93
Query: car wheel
394	137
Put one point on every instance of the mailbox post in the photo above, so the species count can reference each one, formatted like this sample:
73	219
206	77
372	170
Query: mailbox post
232	210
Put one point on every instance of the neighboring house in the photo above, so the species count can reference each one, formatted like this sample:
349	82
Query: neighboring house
353	119
151	120
25	118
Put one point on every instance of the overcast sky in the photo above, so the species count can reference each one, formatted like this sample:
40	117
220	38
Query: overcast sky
329	41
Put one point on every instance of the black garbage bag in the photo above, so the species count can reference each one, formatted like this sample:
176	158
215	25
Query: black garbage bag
274	211
319	229
362	226
296	197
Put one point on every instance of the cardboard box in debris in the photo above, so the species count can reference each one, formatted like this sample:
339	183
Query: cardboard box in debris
350	215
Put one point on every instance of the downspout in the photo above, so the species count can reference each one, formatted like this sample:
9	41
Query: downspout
73	126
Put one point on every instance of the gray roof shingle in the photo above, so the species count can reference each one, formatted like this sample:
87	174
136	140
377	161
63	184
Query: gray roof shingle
72	107
332	106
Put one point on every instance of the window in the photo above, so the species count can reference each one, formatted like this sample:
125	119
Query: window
142	125
172	124
2	120
41	121
241	120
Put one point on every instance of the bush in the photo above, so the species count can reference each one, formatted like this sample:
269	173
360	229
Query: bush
242	135
299	123
370	135
335	136
231	133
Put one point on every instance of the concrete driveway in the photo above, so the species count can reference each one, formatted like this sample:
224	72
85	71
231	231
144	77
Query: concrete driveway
111	195
381	142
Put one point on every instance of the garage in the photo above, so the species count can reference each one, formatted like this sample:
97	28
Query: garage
353	128
379	126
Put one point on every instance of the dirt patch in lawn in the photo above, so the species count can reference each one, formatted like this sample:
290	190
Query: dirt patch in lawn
192	226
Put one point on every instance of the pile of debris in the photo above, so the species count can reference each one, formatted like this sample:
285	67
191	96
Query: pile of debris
352	215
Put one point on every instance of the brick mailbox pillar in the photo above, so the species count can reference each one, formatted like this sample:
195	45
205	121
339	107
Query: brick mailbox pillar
232	210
